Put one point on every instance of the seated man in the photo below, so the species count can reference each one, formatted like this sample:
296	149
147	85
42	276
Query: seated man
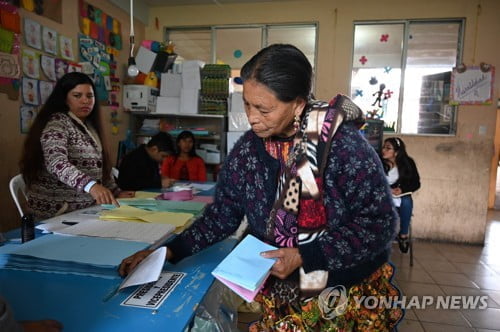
140	169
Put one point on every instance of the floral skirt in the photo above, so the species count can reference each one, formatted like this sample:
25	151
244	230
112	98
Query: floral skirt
356	309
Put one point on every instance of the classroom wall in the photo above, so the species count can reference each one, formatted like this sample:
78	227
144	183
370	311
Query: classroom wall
455	171
10	136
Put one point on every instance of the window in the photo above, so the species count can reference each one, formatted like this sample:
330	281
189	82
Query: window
401	73
235	45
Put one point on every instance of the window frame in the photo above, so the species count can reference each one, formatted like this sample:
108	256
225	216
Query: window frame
264	36
404	55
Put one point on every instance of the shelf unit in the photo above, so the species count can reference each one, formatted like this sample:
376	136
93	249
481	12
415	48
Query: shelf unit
215	124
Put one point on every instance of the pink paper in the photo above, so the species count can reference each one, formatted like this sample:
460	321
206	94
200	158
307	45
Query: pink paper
246	294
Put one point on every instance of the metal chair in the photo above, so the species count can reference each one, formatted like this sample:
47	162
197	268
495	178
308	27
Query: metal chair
17	184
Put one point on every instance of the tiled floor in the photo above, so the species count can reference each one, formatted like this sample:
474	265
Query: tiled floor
442	269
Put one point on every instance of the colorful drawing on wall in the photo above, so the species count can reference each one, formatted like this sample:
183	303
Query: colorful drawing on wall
6	40
9	65
10	43
100	26
51	9
45	90
61	68
30	91
66	48
27	115
94	52
74	67
33	34
49	39
31	63
48	64
9	17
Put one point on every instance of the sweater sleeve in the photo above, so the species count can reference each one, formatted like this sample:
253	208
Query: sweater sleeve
54	142
360	214
218	221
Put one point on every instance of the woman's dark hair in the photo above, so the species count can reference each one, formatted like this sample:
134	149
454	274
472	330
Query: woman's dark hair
402	157
183	135
32	162
282	68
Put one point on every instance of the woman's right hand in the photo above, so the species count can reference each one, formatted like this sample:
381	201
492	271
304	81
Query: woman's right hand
102	195
129	263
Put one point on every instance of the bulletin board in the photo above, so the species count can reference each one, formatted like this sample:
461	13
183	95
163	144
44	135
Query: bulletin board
472	86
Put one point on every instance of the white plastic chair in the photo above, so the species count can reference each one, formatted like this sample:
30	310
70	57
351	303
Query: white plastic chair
17	184
115	172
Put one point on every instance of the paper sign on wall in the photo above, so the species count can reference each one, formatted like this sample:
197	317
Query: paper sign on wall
472	86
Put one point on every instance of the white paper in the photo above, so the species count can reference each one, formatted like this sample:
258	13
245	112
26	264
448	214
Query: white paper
145	59
146	271
202	186
133	231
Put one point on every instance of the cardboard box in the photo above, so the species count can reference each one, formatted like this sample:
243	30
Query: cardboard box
189	101
168	105
171	85
139	98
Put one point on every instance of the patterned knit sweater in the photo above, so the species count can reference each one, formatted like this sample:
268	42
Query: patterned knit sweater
360	214
73	157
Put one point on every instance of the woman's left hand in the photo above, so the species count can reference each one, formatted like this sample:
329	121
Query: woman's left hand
287	261
126	194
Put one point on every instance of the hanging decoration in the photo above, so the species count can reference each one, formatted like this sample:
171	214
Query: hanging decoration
384	38
363	60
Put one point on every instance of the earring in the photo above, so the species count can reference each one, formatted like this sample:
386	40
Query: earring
296	123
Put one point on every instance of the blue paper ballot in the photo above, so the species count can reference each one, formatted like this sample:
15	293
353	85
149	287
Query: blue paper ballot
245	267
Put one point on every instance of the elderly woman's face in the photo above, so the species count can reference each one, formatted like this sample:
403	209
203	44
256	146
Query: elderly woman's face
267	115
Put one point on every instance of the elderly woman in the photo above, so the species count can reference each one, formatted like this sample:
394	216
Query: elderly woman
309	184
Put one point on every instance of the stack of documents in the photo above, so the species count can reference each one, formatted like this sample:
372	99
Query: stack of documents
132	231
69	254
244	270
130	213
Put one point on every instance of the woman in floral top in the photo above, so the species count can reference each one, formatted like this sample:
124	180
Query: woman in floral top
309	184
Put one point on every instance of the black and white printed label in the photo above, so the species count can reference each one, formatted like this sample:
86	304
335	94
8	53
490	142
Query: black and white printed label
153	294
